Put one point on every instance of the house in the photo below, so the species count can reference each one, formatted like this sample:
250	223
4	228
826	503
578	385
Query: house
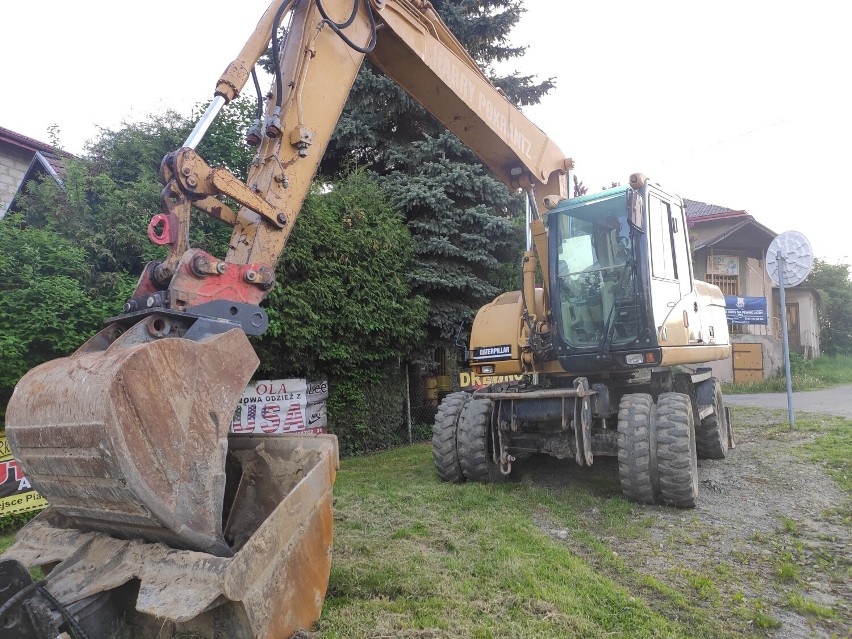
729	250
22	159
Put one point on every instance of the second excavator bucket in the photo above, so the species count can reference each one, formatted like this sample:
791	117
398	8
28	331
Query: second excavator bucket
129	435
158	518
280	518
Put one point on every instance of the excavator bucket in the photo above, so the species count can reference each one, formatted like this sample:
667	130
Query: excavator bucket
280	517
155	512
129	436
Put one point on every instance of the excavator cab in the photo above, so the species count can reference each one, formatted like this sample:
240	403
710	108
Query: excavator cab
623	293
595	282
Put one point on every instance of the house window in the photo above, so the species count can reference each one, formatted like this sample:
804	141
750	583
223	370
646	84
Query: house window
728	284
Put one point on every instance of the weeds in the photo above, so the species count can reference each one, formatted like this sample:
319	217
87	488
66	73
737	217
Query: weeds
797	602
480	560
764	621
790	525
806	375
788	571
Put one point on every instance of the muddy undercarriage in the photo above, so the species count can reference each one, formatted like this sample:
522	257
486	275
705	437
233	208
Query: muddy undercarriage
657	426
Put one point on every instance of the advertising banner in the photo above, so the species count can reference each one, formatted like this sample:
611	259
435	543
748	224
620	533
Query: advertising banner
16	494
281	407
745	310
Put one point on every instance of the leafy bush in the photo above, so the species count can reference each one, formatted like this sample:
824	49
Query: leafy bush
11	522
343	309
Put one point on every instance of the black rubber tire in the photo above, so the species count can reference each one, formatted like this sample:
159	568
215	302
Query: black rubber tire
474	442
677	461
445	437
711	435
635	466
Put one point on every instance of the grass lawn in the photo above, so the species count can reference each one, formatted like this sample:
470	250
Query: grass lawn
421	559
822	372
415	557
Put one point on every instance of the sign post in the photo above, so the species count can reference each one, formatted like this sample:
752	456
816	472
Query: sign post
789	260
781	264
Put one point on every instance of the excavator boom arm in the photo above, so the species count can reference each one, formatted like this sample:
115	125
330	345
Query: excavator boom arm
324	48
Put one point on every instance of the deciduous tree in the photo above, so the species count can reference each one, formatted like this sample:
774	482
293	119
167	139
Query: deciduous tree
832	281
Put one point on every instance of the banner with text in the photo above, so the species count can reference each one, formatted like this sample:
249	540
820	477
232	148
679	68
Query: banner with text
468	380
16	494
745	310
281	407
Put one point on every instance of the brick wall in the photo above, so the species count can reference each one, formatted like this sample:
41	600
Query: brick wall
14	163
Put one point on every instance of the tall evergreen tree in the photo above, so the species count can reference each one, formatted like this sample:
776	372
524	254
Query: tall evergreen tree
464	221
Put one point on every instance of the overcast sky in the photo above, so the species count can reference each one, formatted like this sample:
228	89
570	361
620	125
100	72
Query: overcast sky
743	104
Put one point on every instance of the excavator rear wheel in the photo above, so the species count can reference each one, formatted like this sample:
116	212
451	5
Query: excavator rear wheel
677	460
635	463
711	436
445	437
475	456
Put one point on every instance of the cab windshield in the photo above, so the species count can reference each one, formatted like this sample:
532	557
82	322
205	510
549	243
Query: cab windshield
595	272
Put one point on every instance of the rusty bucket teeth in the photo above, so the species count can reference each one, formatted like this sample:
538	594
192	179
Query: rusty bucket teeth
128	436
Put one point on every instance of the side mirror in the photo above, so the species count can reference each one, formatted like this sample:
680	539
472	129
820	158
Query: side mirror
636	210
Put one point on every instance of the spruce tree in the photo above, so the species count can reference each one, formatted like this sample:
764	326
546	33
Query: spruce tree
466	224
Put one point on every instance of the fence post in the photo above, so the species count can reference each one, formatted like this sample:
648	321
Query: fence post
408	405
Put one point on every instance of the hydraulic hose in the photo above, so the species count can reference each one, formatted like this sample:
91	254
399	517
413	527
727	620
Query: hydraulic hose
259	94
339	27
276	24
72	621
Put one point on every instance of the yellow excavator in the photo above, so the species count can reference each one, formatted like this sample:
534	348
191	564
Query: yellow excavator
162	522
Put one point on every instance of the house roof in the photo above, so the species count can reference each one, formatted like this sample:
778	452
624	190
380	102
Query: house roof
46	158
18	139
743	232
702	212
53	156
746	235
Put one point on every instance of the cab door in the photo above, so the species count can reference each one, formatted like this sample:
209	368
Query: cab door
673	300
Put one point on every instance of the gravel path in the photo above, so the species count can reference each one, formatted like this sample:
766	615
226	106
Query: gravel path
769	546
833	401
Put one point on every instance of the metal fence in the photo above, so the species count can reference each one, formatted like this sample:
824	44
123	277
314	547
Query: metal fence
422	399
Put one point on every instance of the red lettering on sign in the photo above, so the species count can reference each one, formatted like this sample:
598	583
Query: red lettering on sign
270	413
10	466
294	420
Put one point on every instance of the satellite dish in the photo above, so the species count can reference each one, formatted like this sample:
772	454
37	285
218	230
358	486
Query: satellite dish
798	256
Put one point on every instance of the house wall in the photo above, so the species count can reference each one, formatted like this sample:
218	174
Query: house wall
706	230
773	352
753	281
808	317
773	357
14	163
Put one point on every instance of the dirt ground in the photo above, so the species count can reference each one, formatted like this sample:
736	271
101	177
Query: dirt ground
769	545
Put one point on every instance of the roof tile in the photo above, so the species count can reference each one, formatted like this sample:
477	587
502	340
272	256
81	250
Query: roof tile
701	211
